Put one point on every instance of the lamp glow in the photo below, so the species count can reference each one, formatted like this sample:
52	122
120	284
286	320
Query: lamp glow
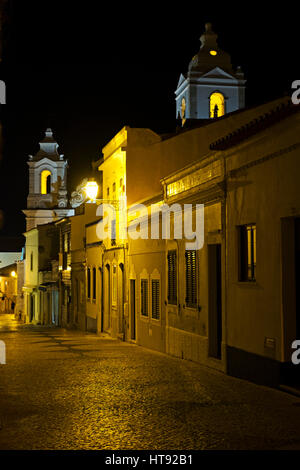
213	52
91	190
13	274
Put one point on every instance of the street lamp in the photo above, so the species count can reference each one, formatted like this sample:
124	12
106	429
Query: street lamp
91	190
13	274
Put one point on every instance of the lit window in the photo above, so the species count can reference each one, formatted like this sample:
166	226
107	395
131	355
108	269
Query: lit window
213	52
190	279
247	252
216	105
183	108
45	182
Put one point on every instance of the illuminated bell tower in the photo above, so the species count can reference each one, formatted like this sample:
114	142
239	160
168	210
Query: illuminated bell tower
210	88
47	199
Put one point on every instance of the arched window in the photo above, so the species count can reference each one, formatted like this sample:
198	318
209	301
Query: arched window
46	182
216	105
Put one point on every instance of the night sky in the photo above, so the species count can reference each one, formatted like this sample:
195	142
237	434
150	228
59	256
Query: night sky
86	72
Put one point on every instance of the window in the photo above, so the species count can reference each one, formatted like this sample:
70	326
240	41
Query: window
144	297
46	182
65	301
183	109
113	232
114	285
31	261
172	277
155	299
94	283
66	242
66	250
216	105
190	279
121	183
107	192
88	283
247	252
114	187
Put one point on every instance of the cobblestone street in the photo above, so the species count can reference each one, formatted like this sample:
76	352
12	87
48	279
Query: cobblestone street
71	390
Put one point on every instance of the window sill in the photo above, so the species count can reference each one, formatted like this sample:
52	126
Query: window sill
192	309
155	320
144	318
250	284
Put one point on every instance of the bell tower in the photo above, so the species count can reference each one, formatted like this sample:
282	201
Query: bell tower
47	199
210	88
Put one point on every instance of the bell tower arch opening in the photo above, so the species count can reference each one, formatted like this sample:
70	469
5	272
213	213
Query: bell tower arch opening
46	182
216	105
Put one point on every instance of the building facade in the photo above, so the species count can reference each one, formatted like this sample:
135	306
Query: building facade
128	269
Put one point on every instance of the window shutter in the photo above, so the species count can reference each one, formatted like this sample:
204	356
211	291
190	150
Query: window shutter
191	278
144	297
155	299
172	277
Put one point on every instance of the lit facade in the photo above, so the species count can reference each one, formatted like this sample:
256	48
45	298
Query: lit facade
8	288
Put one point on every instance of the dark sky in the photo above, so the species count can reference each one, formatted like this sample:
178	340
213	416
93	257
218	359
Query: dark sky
87	69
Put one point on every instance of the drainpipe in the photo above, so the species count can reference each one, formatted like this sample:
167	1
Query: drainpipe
224	221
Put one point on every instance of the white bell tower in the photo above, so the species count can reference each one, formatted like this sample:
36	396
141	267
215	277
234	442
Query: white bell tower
211	87
47	199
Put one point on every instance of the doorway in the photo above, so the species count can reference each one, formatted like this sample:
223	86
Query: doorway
54	319
107	299
121	292
132	310
31	303
215	300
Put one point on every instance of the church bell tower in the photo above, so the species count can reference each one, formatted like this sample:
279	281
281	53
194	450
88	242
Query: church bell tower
210	88
47	199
